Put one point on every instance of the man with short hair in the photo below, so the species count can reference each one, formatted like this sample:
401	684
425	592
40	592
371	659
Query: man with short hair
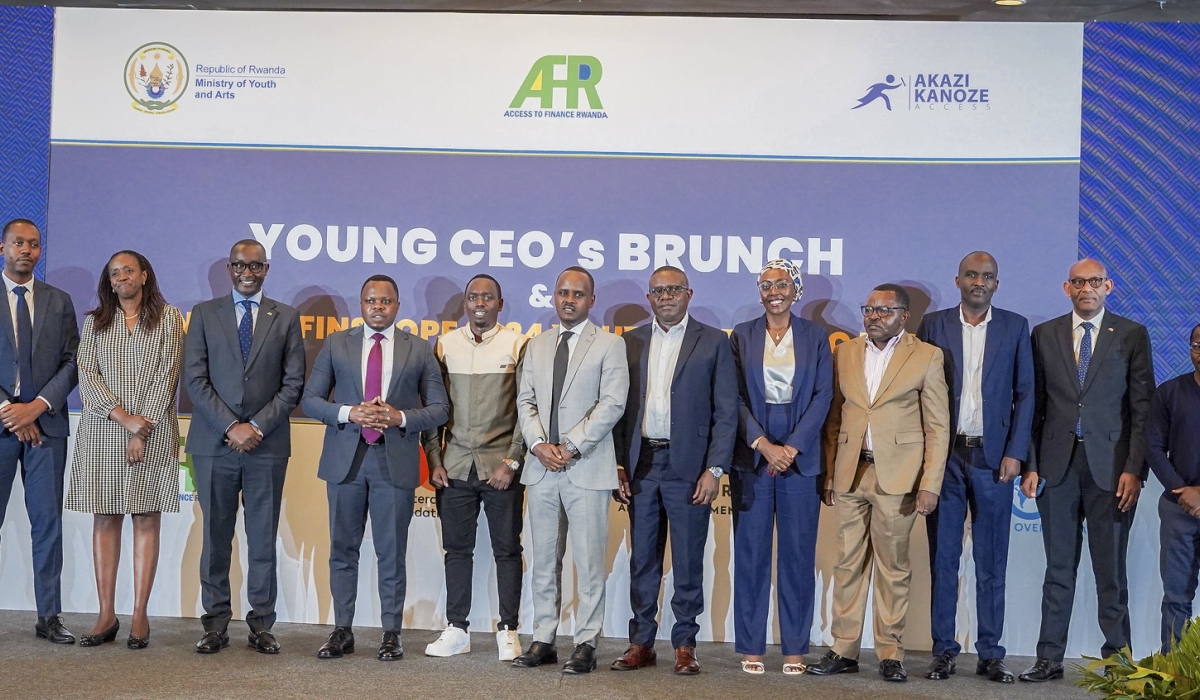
674	443
1173	451
885	444
475	459
1094	378
989	370
243	367
574	383
375	389
37	372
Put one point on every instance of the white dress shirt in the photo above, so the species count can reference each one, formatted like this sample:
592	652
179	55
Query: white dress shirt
387	347
875	364
664	355
1077	331
9	285
970	404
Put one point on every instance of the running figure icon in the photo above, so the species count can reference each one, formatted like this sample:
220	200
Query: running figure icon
877	91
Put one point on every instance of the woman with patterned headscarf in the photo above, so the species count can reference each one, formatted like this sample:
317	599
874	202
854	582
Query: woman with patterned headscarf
785	372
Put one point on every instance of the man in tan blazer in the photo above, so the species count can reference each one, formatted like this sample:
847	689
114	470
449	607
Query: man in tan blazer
886	441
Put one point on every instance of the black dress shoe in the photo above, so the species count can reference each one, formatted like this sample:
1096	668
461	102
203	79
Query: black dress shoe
995	670
340	641
832	664
583	660
135	642
893	671
95	640
942	667
263	642
1042	670
52	628
539	653
391	649
212	642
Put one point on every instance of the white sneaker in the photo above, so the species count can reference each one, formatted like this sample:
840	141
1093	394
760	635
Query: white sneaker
509	644
453	641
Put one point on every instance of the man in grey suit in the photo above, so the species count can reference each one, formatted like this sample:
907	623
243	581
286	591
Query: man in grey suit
243	368
574	384
375	389
38	339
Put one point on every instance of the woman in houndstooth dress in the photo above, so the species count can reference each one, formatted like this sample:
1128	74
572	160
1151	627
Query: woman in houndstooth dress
126	459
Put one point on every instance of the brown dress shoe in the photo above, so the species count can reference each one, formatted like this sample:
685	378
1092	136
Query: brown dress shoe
685	662
635	657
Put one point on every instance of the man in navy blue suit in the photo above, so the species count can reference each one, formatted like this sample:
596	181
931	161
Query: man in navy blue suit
674	443
989	370
38	339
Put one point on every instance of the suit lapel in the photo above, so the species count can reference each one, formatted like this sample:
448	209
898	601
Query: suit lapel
400	351
1103	340
757	345
899	356
227	313
994	338
690	338
581	348
856	385
644	357
40	308
954	339
262	326
6	320
1066	346
354	347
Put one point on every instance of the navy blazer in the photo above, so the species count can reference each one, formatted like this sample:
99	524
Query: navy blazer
1007	378
416	388
1113	403
55	342
224	391
704	413
812	391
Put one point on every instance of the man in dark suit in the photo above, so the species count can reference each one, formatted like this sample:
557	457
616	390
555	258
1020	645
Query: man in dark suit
1093	381
243	368
375	389
676	437
37	371
989	370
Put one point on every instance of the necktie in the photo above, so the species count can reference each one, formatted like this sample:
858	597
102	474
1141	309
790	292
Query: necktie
1085	359
24	347
561	357
246	329
374	384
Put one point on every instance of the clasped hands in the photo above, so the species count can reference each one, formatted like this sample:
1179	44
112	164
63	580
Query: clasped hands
243	437
553	457
139	429
375	414
779	457
19	419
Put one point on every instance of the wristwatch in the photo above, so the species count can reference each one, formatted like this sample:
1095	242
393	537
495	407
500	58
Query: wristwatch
717	472
512	464
573	449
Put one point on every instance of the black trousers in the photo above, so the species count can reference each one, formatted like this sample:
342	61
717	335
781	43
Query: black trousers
1064	508
458	509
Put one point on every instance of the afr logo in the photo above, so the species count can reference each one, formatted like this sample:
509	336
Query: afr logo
579	74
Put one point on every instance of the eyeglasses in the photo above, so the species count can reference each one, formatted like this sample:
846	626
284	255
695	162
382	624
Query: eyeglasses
1195	346
674	290
1094	282
780	286
882	311
240	267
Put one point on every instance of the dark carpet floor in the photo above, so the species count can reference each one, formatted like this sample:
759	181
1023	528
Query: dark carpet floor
169	668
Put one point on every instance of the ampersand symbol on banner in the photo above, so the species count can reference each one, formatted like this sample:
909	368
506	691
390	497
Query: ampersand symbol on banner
538	298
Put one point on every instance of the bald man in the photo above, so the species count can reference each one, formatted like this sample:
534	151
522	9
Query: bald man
1093	380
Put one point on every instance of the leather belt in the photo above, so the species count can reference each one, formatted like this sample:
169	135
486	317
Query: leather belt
866	456
968	441
657	444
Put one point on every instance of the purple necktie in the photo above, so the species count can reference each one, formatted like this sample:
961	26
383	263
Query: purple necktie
374	385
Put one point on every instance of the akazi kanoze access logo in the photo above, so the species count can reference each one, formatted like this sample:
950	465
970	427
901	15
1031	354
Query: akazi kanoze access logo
928	92
156	76
557	82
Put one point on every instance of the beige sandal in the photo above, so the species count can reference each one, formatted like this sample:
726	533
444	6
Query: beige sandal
754	668
793	669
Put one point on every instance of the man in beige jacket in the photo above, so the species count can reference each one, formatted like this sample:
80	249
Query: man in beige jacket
886	440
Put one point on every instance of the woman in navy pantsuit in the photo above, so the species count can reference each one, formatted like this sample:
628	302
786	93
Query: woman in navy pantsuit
785	375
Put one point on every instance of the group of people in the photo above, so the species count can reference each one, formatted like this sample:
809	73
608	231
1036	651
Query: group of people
888	426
